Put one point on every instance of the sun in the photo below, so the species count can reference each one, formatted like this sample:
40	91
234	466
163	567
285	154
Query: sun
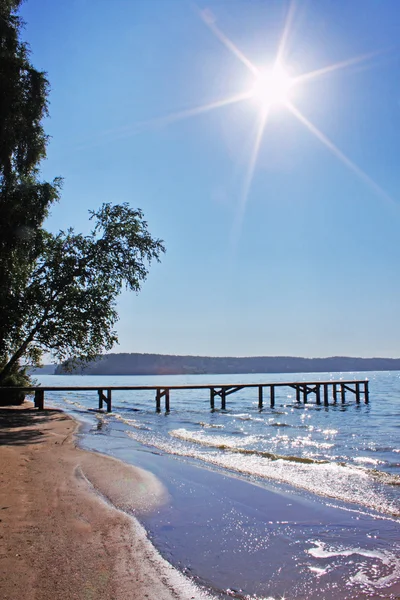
272	87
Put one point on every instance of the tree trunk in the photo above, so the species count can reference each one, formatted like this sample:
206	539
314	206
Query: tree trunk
15	358
21	350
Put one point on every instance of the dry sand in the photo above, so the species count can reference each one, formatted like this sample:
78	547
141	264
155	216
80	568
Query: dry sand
63	532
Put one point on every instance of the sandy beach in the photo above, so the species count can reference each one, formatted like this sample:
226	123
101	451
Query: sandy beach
65	531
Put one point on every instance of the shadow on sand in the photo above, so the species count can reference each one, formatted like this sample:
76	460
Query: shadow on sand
19	426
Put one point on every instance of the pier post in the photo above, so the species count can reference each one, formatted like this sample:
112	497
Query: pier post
318	393
366	392
167	400
272	397
334	392
100	393
298	399
260	397
305	392
357	392
108	401
39	399
212	397
326	395
223	398
158	401
343	392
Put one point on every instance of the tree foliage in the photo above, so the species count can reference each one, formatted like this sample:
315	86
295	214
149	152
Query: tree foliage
24	198
23	100
69	303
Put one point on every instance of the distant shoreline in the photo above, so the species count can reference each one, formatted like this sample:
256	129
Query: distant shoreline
166	364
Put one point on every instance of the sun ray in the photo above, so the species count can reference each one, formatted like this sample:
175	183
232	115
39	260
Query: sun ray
335	67
286	31
250	173
338	153
208	18
197	110
140	126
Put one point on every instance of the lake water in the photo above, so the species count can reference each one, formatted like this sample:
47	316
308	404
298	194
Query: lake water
298	501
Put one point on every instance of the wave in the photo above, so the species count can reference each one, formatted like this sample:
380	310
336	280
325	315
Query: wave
183	434
367	576
368	460
340	481
226	444
74	403
132	423
383	477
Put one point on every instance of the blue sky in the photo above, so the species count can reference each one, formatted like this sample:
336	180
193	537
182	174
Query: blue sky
307	261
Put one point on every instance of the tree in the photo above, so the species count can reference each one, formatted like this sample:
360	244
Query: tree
69	303
24	199
57	292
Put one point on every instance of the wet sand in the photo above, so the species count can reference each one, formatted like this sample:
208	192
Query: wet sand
64	532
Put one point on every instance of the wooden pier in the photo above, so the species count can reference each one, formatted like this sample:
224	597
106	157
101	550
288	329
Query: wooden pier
324	392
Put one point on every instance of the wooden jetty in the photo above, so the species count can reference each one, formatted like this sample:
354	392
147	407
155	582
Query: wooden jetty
322	391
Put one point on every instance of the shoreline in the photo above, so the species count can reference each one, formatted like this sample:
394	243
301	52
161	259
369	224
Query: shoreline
68	518
249	539
230	536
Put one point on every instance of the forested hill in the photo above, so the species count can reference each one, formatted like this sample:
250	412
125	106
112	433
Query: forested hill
164	364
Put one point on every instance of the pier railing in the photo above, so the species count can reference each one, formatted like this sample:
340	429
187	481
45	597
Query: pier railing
324	392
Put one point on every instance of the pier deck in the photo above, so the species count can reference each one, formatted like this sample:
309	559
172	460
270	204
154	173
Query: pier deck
324	392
